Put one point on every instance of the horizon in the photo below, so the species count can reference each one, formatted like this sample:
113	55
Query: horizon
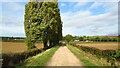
79	18
25	37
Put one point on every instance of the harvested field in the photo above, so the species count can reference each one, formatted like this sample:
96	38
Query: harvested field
15	47
101	45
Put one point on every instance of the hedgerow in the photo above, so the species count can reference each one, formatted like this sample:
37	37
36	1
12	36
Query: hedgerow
111	55
13	59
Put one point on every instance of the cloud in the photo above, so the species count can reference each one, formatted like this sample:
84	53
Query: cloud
75	23
15	0
12	19
85	23
80	4
64	0
96	4
106	5
13	30
14	6
88	0
12	27
63	4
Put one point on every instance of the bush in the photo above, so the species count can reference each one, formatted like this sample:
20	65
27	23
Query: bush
19	57
110	55
6	60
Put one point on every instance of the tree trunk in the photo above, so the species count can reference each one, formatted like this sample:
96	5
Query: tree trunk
45	44
50	43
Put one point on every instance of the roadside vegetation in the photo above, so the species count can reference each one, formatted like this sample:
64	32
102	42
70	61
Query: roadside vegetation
43	30
87	58
40	59
69	38
12	39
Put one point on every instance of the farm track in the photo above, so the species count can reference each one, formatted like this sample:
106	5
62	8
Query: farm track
64	57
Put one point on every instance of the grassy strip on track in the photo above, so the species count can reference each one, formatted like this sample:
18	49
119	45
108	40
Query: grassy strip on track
40	59
86	58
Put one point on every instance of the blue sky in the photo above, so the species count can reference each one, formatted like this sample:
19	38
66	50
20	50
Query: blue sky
79	18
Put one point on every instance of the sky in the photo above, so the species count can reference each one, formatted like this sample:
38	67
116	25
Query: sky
79	18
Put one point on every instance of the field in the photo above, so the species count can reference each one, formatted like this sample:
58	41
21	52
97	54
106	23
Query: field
100	45
15	47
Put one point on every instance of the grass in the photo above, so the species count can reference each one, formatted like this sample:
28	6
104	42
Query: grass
86	58
87	62
40	59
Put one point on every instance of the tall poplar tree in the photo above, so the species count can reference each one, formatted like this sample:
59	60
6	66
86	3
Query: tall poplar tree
42	20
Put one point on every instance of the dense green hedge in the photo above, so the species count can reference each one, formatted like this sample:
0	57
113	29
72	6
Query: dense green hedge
110	55
13	59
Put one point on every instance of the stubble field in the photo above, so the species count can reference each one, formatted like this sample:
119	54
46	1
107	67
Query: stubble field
15	47
100	45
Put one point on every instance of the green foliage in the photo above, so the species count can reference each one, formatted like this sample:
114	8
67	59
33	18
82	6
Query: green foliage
42	20
116	55
95	38
12	39
41	59
82	56
30	43
110	55
19	57
87	62
68	38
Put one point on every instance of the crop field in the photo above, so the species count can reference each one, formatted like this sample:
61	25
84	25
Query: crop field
100	45
15	47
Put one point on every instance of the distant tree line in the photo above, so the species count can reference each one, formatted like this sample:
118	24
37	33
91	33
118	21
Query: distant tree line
69	38
12	39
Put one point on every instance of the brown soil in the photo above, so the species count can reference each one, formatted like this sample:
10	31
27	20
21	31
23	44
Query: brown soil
103	46
64	57
15	47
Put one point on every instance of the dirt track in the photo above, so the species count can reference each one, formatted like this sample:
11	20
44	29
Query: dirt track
64	57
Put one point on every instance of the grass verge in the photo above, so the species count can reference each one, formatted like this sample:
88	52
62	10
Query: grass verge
86	58
40	59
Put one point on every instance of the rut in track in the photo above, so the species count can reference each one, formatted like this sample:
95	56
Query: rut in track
64	57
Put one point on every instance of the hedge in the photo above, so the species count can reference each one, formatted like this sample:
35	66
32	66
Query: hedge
13	59
110	55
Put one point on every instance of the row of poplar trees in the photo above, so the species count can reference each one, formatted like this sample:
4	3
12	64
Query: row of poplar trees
42	20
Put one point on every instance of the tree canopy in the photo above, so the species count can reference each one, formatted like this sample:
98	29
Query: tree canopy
68	38
42	20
